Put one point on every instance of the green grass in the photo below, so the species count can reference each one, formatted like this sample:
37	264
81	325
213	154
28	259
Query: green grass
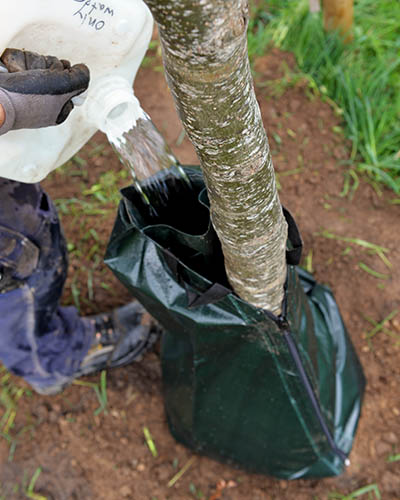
362	77
28	489
150	442
371	248
370	492
100	389
381	327
196	493
181	472
372	272
394	458
10	394
30	493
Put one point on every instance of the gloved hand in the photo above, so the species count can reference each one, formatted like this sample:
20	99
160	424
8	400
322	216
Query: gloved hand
36	91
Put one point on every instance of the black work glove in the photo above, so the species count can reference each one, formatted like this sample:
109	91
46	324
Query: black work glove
36	91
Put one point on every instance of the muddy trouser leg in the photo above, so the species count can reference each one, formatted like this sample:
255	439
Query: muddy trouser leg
39	340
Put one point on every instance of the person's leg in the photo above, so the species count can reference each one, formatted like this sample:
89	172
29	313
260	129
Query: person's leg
39	340
46	344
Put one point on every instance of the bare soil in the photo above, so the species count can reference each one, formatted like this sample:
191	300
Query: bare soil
87	456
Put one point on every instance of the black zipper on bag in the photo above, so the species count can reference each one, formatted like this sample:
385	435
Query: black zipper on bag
284	327
294	352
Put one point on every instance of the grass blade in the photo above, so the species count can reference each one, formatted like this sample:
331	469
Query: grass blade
373	273
179	474
150	442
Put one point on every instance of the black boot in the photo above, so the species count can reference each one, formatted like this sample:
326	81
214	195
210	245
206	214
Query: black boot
120	338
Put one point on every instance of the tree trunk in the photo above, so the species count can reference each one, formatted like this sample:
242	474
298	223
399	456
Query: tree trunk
338	15
206	63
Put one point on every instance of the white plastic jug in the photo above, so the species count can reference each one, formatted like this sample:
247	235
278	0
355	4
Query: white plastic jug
111	38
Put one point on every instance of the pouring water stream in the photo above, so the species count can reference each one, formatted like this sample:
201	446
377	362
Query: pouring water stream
113	108
144	152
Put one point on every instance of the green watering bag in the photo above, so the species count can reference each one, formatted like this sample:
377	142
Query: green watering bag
274	395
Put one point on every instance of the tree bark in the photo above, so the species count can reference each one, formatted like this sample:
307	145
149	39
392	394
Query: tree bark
205	58
338	15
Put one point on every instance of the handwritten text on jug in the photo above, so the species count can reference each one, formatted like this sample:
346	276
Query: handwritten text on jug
93	14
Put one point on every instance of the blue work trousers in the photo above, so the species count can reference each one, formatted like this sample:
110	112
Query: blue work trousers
39	340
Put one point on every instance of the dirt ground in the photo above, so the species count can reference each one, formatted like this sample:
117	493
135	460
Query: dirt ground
85	454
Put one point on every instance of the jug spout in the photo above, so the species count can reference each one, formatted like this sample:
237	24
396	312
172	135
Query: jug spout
112	107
